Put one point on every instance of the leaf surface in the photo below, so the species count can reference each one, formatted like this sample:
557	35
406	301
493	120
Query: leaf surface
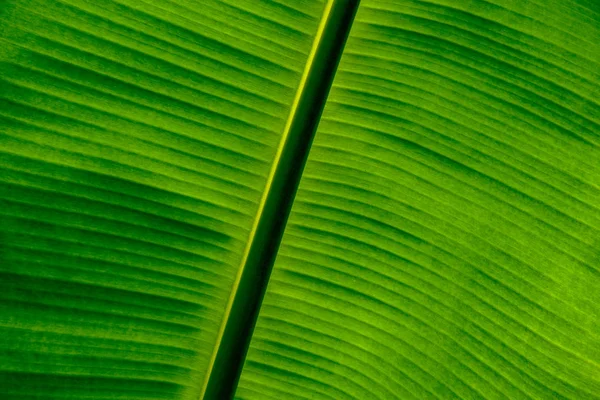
444	239
136	141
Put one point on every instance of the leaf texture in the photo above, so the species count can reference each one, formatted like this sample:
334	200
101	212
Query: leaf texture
136	140
444	240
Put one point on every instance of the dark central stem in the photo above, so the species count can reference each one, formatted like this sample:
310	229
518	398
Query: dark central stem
252	286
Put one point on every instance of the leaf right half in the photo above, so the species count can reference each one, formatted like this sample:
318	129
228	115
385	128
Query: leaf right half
444	239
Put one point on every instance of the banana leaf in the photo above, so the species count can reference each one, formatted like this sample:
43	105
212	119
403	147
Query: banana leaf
443	243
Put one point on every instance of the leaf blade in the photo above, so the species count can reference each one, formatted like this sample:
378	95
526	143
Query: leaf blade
136	142
442	242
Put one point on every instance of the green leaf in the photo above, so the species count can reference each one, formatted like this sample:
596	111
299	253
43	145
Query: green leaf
444	242
444	239
137	138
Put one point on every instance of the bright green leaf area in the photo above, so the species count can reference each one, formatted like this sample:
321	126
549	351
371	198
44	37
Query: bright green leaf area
136	138
444	242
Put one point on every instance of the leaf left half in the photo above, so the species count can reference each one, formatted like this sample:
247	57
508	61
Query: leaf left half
136	138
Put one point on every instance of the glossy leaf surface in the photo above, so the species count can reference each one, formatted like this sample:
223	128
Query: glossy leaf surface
136	141
444	239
